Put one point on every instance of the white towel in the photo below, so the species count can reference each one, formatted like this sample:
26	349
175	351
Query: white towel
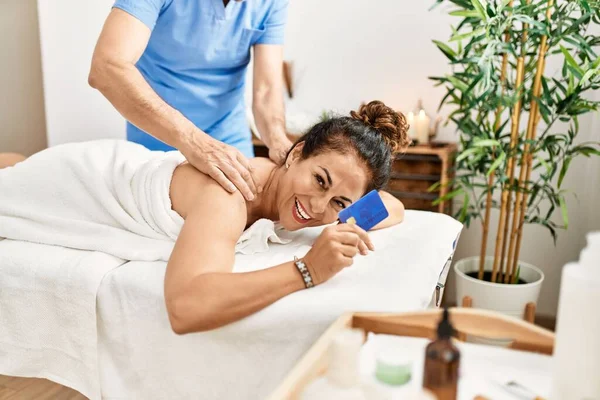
109	195
48	322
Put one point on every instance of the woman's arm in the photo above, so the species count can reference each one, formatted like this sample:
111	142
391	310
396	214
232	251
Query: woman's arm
395	209
201	292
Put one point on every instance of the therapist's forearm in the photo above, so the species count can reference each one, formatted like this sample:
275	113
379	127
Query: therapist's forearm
269	114
125	87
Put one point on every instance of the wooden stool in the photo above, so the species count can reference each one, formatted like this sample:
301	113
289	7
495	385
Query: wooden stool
529	314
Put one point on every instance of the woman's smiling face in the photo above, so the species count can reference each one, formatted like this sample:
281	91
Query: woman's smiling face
313	191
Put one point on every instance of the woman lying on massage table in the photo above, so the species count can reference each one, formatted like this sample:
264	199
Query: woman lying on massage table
333	165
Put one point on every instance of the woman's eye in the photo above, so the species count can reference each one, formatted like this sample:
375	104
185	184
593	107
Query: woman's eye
340	204
320	180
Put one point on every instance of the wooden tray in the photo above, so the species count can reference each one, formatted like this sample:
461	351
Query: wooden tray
475	322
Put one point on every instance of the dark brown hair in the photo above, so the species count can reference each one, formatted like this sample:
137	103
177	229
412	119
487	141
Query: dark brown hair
375	133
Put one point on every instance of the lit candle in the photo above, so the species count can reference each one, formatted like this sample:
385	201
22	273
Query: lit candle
412	129
422	127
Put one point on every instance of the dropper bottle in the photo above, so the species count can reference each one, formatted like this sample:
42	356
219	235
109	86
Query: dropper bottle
442	360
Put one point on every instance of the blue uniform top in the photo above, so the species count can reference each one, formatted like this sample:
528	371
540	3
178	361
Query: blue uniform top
197	56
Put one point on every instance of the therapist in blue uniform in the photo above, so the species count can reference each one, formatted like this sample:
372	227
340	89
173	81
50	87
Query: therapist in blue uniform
176	69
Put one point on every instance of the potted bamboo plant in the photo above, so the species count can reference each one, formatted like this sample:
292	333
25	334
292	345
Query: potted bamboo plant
518	129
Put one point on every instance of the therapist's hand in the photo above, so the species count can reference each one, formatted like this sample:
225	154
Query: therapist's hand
224	163
279	150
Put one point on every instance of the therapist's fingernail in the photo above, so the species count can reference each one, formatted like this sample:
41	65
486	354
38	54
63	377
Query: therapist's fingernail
250	197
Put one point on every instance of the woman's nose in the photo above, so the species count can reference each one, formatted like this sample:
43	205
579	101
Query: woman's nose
318	204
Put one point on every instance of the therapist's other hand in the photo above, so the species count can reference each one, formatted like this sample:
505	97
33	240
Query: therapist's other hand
224	163
334	250
279	150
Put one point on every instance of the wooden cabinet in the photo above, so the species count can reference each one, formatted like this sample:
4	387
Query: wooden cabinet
412	174
415	171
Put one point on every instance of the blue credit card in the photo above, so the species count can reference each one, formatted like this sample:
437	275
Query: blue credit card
367	212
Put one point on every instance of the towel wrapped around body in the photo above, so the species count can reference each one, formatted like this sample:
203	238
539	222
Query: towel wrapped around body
110	196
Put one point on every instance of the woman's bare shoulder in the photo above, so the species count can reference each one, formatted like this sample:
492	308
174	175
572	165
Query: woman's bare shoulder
191	188
262	169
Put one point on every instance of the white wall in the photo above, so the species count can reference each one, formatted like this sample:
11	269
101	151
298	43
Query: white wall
22	123
344	52
74	111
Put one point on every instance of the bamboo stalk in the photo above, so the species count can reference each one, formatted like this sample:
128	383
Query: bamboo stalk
527	158
488	200
512	161
506	193
505	201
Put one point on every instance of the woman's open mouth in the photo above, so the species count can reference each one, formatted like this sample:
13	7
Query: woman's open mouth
299	212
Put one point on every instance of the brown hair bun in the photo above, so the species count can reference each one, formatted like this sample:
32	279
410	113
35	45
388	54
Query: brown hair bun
390	124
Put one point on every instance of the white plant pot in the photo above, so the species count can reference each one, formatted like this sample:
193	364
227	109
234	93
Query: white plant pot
504	298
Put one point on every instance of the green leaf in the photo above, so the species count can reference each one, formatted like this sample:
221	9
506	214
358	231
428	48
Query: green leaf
447	50
479	8
486	143
465	208
447	196
544	111
458	83
467	35
465	13
496	164
585	5
585	150
516	276
434	186
570	60
563	171
543	162
563	210
586	77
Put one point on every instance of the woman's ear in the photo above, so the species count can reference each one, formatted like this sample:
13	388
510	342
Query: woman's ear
294	155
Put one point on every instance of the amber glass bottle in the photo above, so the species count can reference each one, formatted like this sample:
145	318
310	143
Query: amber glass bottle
442	360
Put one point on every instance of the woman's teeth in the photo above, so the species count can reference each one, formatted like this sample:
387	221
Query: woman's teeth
301	212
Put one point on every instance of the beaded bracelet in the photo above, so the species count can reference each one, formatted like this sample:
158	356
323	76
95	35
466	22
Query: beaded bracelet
308	282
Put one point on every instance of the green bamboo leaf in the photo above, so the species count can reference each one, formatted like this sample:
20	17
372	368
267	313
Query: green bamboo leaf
563	171
465	13
496	164
543	162
486	143
586	77
465	208
585	150
544	111
571	86
458	83
434	186
447	196
516	276
479	8
447	50
571	61
476	32
563	210
466	154
585	5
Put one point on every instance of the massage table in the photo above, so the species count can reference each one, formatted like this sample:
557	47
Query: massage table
115	342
